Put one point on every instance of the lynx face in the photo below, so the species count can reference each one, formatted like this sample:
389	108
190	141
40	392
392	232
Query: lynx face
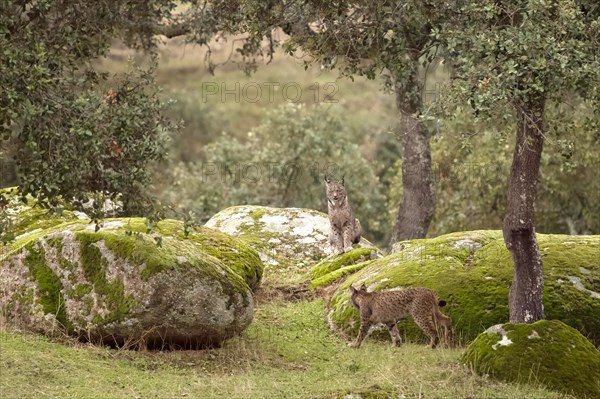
336	192
355	294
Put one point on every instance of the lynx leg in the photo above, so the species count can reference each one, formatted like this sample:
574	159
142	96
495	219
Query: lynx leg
447	337
362	333
336	241
444	323
348	237
428	328
395	334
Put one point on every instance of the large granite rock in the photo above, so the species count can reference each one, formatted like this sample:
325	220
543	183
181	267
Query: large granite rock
120	285
285	238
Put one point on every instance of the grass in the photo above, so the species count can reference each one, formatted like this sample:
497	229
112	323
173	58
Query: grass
288	352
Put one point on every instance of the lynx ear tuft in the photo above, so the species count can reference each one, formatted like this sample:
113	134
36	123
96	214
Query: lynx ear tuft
342	181
326	179
442	303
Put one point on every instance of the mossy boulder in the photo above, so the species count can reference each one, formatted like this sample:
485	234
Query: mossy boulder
286	238
120	285
547	352
473	271
335	267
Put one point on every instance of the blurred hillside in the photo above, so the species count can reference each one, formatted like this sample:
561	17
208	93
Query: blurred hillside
230	101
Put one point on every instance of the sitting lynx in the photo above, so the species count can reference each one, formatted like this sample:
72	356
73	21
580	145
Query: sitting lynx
345	229
388	307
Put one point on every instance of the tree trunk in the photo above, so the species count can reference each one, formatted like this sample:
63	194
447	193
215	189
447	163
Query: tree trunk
418	191
526	291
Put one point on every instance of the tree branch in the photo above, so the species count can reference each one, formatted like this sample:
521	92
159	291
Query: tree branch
171	31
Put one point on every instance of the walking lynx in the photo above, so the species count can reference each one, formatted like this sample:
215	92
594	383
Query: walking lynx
345	228
388	307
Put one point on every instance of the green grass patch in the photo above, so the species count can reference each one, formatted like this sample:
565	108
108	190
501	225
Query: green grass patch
287	352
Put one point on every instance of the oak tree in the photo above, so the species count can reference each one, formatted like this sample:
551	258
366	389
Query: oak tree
73	130
516	57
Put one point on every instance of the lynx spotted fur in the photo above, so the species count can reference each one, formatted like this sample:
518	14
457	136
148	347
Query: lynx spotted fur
345	228
388	307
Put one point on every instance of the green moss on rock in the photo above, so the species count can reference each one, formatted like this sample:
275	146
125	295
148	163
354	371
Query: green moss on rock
49	286
335	262
335	267
80	290
172	254
335	275
233	252
31	222
546	352
257	214
473	271
94	266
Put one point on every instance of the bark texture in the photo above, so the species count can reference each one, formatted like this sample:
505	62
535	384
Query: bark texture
526	291
418	190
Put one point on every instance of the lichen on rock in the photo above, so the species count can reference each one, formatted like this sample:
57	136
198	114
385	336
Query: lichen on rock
286	238
546	352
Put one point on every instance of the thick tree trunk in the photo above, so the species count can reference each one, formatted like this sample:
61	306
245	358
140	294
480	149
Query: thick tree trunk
526	291
418	190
